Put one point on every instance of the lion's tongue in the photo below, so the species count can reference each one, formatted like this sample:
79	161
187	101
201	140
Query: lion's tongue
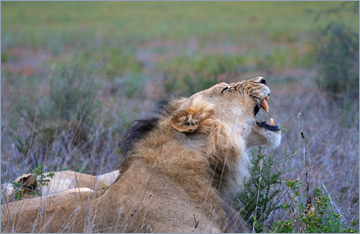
264	105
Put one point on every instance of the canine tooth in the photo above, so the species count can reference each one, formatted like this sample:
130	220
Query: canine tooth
271	122
264	105
267	98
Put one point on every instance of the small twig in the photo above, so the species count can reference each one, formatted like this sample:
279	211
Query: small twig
296	210
257	199
335	207
196	222
308	195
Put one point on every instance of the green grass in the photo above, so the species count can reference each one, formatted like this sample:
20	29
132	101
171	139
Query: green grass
264	34
33	23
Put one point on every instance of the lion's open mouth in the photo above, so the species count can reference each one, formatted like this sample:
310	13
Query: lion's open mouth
264	105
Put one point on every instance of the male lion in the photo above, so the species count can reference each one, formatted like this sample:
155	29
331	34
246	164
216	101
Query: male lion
181	171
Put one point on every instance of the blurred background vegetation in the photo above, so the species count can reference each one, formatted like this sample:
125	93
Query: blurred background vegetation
76	74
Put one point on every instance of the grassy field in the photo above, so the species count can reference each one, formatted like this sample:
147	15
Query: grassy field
76	74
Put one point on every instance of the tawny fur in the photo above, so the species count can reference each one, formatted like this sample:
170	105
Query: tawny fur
181	171
61	181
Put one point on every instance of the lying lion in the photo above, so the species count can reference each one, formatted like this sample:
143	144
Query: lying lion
59	182
181	171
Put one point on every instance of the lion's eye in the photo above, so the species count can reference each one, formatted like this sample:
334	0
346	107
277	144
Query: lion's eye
227	88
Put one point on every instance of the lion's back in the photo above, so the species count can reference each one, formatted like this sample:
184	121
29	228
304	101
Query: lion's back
150	201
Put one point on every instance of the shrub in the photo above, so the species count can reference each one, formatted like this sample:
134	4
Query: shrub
263	195
72	95
69	106
337	53
257	199
314	218
336	50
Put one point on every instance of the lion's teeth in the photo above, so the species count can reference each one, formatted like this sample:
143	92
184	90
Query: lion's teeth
271	122
267	98
264	105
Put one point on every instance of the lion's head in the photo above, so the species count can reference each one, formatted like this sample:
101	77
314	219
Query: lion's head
235	106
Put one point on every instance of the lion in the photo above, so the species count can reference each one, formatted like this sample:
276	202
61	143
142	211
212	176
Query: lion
58	182
181	170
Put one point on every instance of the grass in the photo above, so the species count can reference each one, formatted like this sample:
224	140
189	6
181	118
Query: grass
157	20
115	60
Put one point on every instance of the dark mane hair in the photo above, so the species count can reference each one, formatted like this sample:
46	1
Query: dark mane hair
142	127
136	132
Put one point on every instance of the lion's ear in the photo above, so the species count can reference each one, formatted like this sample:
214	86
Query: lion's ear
186	121
27	180
191	119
